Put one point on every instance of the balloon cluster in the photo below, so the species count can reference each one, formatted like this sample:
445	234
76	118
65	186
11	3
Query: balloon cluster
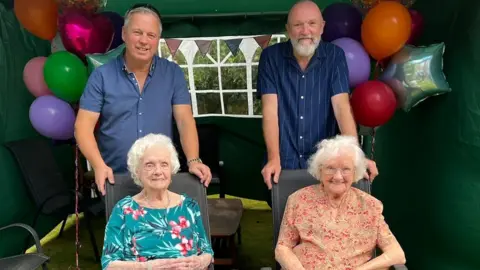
386	38
75	28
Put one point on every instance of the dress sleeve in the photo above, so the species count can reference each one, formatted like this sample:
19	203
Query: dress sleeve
113	246
288	235
204	245
384	235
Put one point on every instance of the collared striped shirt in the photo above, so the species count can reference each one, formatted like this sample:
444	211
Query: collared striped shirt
305	111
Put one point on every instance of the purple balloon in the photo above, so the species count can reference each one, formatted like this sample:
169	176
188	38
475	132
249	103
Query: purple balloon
342	20
52	117
117	22
358	61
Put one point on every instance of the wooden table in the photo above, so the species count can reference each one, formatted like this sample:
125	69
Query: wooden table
224	217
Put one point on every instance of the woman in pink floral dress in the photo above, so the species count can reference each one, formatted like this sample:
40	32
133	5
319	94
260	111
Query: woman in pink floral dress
155	229
333	225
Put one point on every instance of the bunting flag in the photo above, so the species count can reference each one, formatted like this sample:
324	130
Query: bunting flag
173	45
204	46
233	45
263	41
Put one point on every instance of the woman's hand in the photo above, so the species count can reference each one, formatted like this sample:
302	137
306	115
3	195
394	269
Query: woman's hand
194	262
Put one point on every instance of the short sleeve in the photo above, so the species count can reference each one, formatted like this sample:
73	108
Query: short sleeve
288	235
181	95
204	245
113	245
92	98
384	236
265	77
340	83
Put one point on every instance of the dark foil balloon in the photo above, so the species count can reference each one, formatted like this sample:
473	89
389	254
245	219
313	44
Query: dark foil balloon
415	74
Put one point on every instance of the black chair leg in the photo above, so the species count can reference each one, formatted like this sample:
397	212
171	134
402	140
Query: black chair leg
92	236
63	226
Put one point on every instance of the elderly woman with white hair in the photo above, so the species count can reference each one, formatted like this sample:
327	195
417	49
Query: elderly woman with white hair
156	228
333	225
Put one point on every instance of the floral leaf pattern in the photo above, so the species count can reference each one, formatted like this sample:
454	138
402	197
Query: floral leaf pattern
135	233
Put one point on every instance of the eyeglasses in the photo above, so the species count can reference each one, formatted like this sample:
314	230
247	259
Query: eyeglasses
332	171
143	5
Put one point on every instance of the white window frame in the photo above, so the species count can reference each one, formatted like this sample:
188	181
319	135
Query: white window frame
248	47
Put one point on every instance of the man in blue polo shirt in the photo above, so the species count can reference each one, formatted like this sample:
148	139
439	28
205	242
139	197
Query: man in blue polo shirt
304	88
134	95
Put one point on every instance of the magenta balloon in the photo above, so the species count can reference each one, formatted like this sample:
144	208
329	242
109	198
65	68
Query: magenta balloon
358	61
33	77
84	34
52	117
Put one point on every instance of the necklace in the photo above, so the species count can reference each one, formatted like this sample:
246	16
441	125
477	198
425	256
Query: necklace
150	205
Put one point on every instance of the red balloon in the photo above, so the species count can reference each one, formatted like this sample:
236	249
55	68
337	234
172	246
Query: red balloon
417	26
373	103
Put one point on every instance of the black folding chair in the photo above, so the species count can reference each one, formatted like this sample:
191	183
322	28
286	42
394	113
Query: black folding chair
291	181
29	261
50	192
181	183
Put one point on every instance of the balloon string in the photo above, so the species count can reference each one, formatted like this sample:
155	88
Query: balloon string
77	221
372	150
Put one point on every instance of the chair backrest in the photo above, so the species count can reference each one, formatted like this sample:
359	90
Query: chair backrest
289	182
41	173
181	183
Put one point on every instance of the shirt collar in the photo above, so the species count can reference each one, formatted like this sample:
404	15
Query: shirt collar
319	52
122	63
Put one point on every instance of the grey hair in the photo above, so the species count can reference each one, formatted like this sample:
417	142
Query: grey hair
330	148
136	152
142	10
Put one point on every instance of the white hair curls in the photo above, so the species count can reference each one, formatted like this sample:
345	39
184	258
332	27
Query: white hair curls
330	148
136	152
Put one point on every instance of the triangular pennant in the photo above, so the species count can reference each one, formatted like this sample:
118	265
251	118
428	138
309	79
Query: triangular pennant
204	46
173	45
233	45
263	41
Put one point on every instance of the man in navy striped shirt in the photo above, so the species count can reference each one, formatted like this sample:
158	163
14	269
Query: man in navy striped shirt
305	93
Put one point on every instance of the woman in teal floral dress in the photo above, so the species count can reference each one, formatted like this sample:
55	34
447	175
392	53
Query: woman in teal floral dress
155	229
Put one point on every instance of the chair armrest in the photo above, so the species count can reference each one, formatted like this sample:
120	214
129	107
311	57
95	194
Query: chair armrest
30	230
399	267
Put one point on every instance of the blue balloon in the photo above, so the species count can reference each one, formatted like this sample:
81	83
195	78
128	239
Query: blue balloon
118	23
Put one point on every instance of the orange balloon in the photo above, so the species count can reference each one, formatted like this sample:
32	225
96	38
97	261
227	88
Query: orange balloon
386	29
39	17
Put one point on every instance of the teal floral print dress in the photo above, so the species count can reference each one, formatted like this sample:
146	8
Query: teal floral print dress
136	233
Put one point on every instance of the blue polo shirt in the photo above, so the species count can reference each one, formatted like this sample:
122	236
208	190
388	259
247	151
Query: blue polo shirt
305	111
126	114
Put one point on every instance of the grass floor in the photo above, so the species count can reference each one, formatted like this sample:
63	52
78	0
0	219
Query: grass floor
255	252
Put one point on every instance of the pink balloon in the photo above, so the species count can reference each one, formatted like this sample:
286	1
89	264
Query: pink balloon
417	26
33	77
85	34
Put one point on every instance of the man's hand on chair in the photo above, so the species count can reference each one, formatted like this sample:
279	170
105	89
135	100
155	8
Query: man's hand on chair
272	168
372	168
103	172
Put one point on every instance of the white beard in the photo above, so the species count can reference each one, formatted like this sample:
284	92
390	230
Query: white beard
305	50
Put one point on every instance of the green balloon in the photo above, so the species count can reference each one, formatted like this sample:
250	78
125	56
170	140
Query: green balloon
97	59
65	75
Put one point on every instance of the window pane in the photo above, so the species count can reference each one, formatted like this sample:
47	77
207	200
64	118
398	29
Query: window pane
257	104
235	103
185	73
234	78
254	76
206	78
209	103
256	56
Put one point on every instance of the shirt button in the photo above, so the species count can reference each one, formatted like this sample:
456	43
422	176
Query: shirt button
301	97
141	98
140	131
301	117
139	113
303	76
301	137
301	156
